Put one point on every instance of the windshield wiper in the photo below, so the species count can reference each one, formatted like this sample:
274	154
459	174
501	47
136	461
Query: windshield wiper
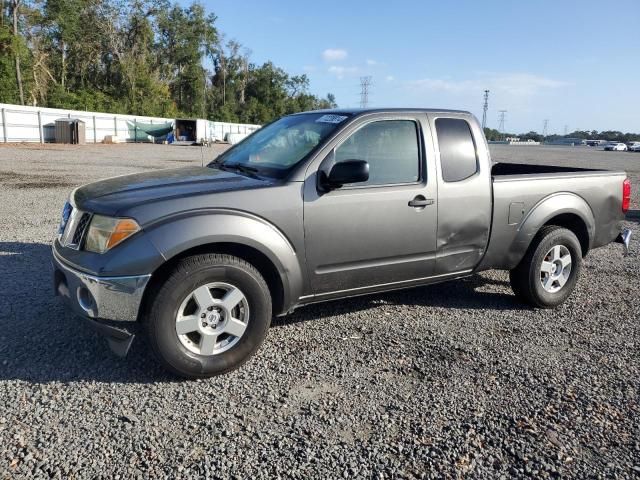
252	171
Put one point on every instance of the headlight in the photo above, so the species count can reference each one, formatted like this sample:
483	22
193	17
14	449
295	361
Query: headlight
66	213
105	232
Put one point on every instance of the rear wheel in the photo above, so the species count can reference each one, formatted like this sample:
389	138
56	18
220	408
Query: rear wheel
210	315
549	271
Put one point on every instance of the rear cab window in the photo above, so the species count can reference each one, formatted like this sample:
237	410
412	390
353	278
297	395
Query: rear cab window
458	155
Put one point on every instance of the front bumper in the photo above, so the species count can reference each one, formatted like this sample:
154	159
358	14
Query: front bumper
110	304
109	298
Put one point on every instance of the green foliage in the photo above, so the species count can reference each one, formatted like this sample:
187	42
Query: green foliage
493	135
612	135
82	99
8	86
535	136
145	57
10	47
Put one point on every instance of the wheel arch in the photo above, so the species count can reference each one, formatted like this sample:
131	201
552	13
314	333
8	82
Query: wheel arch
575	224
247	237
564	209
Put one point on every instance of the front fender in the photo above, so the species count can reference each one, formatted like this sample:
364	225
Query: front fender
176	234
541	213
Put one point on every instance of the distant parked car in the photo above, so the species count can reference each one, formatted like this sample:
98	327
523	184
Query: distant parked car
634	146
619	146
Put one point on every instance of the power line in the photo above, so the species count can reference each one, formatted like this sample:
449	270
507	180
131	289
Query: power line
485	107
365	83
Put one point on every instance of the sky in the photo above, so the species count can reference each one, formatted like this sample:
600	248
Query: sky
574	63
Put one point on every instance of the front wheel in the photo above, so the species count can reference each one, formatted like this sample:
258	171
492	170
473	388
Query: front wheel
549	271
209	316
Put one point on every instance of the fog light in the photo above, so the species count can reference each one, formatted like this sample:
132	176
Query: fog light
86	301
60	284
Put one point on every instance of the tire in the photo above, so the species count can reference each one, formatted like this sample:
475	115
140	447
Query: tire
548	285
236	304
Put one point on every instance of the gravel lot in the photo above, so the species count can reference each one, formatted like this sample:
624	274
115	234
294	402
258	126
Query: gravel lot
447	381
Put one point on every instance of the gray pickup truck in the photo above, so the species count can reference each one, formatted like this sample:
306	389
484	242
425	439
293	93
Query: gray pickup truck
318	206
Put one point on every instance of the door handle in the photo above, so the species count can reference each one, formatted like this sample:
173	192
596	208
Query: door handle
420	201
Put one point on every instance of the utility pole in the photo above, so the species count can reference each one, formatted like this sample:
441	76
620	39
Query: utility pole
205	47
204	95
365	83
485	107
544	129
566	130
501	119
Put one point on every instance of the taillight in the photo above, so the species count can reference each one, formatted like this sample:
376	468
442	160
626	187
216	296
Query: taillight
626	194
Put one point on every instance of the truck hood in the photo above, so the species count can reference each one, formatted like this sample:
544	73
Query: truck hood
110	196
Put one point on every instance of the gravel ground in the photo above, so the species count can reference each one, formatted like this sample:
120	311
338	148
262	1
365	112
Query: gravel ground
446	381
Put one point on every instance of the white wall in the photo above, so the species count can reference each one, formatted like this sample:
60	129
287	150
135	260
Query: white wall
34	124
229	132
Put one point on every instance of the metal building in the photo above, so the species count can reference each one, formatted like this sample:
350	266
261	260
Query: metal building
34	124
70	130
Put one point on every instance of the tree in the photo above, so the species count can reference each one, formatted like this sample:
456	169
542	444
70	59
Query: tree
531	135
17	46
492	134
146	57
186	34
583	134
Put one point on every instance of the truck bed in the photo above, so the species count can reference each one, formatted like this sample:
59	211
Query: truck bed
519	188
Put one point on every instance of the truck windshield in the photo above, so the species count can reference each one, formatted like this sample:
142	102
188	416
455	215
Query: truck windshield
273	150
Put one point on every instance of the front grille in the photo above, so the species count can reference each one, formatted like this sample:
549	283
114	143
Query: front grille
83	224
75	229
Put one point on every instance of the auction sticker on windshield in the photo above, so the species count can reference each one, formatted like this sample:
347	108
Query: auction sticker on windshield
331	118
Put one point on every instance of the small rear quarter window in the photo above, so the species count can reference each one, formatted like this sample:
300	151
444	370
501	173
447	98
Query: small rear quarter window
458	157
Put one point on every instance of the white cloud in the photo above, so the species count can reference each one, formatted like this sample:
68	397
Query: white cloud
375	63
340	72
526	83
516	84
389	78
334	55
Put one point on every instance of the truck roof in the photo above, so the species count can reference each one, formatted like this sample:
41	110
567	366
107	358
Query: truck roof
361	111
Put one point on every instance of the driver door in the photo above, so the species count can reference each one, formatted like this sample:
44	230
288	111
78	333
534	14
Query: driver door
375	233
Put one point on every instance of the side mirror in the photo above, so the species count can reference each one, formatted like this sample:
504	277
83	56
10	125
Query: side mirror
349	171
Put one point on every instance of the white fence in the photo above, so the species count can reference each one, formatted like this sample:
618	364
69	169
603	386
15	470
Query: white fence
34	124
529	143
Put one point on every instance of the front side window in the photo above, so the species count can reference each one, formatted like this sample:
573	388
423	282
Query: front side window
391	149
457	150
